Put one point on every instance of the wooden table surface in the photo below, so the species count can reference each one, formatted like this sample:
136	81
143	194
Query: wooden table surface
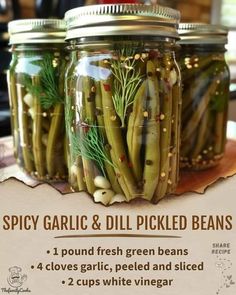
189	181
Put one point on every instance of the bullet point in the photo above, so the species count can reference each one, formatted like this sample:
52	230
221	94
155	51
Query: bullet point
48	252
63	282
32	266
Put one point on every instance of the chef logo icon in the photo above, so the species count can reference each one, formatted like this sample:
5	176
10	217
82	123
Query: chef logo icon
16	279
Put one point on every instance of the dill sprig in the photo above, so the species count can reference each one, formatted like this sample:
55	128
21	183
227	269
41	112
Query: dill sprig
93	147
50	83
126	83
34	90
48	90
89	143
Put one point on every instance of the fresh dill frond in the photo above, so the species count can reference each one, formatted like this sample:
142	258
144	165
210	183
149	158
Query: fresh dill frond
126	83
34	90
50	83
48	90
89	143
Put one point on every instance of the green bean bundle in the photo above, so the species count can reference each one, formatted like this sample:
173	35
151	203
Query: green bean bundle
36	92
204	113
123	123
205	77
36	89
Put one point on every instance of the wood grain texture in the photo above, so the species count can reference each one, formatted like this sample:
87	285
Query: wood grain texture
198	181
189	181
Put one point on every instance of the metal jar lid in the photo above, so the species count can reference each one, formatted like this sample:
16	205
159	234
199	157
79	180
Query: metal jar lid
37	31
200	33
122	19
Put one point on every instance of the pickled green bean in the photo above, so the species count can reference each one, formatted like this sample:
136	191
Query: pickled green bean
38	149
152	162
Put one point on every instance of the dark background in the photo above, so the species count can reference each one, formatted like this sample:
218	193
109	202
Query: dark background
191	11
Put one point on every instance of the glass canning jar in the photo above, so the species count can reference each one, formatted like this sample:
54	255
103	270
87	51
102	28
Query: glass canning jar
36	90
123	101
205	77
